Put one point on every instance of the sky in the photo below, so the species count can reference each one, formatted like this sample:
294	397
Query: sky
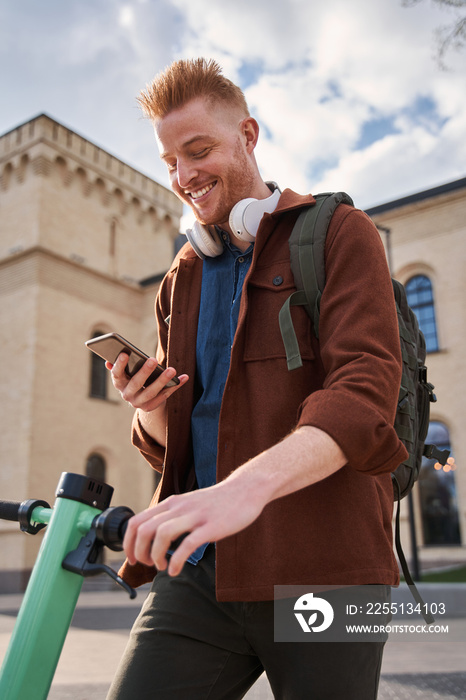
349	94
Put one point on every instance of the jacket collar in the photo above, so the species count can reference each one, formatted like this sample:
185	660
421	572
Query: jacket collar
288	201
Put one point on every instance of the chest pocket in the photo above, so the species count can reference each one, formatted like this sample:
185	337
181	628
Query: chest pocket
268	289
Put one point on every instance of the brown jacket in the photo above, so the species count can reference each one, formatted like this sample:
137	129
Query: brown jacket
338	531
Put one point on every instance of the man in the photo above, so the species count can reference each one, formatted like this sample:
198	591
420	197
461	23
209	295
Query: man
269	477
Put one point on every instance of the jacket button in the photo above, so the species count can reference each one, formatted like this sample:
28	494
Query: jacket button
277	281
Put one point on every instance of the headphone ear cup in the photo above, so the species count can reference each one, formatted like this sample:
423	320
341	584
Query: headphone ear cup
205	241
237	220
247	214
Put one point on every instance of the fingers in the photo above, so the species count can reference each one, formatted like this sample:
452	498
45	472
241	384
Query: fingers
138	540
185	548
150	535
155	394
133	390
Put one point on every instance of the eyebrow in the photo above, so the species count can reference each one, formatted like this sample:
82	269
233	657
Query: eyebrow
200	137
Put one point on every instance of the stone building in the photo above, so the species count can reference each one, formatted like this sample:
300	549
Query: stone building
84	241
425	237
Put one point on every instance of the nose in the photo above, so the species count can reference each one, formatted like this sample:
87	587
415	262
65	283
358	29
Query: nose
185	172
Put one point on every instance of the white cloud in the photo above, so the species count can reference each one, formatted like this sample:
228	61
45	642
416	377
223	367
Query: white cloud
323	79
322	73
126	16
245	31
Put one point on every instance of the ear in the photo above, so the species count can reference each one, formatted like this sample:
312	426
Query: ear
250	132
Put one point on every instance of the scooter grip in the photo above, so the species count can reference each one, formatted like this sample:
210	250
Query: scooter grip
111	526
9	510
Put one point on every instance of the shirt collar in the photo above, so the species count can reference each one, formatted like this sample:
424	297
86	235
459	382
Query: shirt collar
228	243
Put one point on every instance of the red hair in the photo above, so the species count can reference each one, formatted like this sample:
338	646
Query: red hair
185	80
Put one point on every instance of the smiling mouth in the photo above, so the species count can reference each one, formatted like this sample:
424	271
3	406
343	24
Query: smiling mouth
200	193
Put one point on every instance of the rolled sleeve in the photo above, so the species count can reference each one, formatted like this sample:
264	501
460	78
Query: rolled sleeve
366	439
148	447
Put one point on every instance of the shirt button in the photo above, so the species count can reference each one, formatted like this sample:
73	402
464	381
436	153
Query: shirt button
277	281
241	259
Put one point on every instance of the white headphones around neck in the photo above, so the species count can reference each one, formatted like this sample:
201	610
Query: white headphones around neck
244	221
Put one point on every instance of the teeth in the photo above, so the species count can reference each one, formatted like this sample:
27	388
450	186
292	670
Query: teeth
200	193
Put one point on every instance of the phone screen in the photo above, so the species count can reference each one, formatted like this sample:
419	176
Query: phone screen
110	345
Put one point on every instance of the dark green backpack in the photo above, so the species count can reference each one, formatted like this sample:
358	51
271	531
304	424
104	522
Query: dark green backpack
307	246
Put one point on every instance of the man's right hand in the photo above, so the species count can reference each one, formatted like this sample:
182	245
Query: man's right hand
149	400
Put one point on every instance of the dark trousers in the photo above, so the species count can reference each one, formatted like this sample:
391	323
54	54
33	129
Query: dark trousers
187	646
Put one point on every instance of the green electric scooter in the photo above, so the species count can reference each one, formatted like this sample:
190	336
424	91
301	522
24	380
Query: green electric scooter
79	525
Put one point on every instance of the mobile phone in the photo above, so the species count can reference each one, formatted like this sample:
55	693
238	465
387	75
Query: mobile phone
110	345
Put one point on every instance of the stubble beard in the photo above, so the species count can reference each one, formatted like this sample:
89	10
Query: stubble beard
237	182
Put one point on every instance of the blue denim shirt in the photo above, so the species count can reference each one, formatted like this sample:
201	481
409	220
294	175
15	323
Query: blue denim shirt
222	284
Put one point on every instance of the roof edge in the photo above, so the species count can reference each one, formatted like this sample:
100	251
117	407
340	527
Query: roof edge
418	197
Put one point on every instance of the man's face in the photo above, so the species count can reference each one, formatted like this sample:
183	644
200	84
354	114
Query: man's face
208	152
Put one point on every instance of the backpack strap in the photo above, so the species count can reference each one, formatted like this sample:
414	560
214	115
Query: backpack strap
307	251
428	617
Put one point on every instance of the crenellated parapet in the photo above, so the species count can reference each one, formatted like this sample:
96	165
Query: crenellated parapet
45	148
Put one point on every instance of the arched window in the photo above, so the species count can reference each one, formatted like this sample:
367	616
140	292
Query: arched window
421	300
95	467
437	489
98	378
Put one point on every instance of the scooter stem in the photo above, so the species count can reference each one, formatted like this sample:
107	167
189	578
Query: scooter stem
52	592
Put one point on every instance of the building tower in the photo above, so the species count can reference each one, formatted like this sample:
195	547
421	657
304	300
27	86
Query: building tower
84	241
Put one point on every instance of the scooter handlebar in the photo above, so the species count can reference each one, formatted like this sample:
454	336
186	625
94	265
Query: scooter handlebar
110	524
9	510
22	513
